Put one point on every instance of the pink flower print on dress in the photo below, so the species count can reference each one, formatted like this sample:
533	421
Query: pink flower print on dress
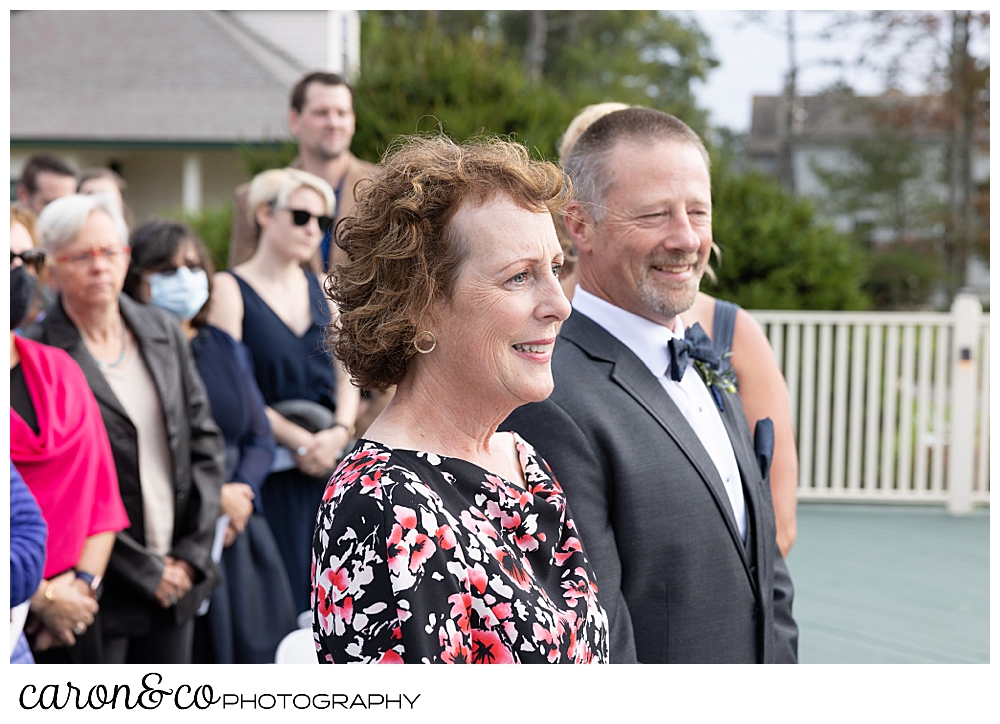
488	648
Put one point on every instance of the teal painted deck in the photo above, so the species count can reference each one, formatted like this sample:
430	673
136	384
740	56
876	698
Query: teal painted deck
891	584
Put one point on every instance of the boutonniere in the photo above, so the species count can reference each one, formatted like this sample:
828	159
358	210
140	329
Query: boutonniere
717	378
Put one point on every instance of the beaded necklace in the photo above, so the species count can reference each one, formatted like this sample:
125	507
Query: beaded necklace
121	356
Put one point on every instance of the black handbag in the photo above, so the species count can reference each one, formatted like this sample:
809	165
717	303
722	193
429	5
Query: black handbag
307	414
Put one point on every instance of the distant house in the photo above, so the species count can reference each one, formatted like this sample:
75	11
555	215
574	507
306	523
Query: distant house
165	97
824	135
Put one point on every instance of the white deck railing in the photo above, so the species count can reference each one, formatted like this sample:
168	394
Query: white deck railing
888	406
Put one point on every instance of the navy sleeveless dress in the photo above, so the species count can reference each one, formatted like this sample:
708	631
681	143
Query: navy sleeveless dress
289	367
252	608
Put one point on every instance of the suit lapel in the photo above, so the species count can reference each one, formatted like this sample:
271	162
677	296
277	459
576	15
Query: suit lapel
634	377
734	418
62	333
154	345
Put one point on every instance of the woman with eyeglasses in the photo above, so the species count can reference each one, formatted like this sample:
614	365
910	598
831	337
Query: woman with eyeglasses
61	449
277	308
252	609
168	452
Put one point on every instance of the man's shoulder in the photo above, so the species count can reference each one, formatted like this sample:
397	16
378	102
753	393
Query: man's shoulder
582	342
569	355
581	375
362	167
358	170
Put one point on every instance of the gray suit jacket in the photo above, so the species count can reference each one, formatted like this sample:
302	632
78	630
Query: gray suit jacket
677	581
196	446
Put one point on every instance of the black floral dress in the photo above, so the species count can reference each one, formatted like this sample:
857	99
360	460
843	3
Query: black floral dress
423	558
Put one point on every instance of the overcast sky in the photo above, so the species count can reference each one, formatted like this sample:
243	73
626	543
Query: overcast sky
754	61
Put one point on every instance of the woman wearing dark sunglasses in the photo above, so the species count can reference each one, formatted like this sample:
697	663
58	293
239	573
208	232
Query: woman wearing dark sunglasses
278	309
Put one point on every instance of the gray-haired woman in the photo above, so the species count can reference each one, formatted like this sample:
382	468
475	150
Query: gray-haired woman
168	452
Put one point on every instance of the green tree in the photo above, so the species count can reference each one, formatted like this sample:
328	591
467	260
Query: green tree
902	277
888	176
265	156
948	52
465	72
890	181
417	78
641	57
776	252
213	225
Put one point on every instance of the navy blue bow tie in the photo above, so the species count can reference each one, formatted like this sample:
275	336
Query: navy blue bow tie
695	345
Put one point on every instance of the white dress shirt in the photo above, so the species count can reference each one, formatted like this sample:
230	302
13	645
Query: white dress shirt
648	341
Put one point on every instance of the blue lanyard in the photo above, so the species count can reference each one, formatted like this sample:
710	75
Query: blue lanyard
324	246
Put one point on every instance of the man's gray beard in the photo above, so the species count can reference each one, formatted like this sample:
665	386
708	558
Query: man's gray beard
671	302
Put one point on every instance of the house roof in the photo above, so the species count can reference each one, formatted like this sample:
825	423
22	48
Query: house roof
840	117
145	76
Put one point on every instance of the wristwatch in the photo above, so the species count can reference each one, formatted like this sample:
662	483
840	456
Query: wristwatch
95	583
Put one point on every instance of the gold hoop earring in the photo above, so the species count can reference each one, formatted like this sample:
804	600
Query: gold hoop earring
416	342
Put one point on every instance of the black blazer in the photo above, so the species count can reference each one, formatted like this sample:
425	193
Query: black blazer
677	581
196	447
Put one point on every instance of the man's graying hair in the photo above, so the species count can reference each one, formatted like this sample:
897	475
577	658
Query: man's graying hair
587	159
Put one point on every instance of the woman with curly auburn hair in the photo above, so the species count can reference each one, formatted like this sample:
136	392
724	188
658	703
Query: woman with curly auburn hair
441	540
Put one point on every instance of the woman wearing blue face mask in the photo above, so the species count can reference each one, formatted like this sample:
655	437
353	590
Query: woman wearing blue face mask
252	609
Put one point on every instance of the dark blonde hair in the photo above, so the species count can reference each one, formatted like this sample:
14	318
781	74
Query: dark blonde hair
275	186
26	218
402	253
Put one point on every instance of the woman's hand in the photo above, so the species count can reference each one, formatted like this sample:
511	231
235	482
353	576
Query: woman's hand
322	451
315	454
231	536
237	503
66	612
176	581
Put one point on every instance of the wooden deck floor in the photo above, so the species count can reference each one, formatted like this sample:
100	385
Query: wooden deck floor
891	584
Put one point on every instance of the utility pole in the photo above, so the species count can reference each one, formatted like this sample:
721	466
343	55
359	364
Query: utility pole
960	152
786	155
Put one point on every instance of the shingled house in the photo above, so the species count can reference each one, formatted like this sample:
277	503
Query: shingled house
165	97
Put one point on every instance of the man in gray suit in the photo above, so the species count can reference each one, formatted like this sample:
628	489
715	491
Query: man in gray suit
654	452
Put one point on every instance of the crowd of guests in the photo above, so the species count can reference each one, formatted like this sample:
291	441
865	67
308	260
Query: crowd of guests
200	457
174	426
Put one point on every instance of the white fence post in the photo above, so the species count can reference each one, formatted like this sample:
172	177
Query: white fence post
191	183
916	412
967	313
